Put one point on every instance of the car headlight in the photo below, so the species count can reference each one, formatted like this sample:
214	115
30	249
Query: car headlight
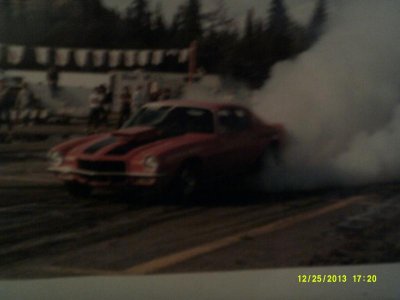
55	158
151	162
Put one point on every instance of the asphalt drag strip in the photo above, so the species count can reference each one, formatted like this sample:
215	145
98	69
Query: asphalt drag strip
176	258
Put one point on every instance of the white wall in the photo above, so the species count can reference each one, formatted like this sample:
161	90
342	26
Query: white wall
70	79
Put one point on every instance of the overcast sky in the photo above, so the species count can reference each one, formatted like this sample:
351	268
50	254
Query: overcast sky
299	9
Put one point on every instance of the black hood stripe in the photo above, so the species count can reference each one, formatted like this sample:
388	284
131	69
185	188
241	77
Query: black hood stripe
129	146
100	145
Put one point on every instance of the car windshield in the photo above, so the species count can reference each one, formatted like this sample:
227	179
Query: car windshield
149	116
174	121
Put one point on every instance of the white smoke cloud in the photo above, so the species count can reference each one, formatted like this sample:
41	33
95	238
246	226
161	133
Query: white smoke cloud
340	101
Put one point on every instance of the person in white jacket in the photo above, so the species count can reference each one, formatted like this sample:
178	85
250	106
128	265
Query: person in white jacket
23	100
95	106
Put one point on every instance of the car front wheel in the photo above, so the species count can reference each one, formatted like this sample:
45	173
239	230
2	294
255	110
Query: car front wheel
187	182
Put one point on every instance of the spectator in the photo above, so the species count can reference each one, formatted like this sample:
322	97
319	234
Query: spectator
103	92
126	110
154	91
52	79
95	105
6	103
24	98
166	94
107	104
139	97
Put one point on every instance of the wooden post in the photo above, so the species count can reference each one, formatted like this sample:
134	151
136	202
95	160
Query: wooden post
192	61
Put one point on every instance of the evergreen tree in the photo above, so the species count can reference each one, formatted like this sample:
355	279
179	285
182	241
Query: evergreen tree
175	30
191	22
138	21
138	12
159	29
217	19
5	20
249	26
278	32
278	23
259	30
218	39
317	22
158	17
187	24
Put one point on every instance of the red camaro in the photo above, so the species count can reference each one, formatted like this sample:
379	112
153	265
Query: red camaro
170	146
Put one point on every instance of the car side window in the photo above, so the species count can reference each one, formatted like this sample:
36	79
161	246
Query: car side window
174	123
242	119
199	120
225	120
233	120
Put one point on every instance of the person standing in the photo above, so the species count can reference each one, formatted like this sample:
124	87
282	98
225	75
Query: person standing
154	91
126	103
95	105
6	103
107	105
52	79
139	97
24	97
166	94
103	93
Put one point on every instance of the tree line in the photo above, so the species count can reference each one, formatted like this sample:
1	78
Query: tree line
244	53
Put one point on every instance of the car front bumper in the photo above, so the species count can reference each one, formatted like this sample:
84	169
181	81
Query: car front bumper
109	179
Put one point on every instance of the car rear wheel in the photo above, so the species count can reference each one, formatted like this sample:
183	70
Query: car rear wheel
269	157
78	190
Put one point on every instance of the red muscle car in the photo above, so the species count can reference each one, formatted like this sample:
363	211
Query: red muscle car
170	146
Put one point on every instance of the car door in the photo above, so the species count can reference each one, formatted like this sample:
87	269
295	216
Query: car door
233	140
251	144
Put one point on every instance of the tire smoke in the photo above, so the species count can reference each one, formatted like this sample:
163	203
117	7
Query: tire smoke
340	102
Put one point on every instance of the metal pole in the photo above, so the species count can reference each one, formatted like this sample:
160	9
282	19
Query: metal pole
192	60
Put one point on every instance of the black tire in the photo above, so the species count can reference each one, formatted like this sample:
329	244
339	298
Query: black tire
269	157
187	182
261	162
78	190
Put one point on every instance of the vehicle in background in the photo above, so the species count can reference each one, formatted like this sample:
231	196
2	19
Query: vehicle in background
173	146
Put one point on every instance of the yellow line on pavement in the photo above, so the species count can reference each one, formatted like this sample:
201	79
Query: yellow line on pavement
182	256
